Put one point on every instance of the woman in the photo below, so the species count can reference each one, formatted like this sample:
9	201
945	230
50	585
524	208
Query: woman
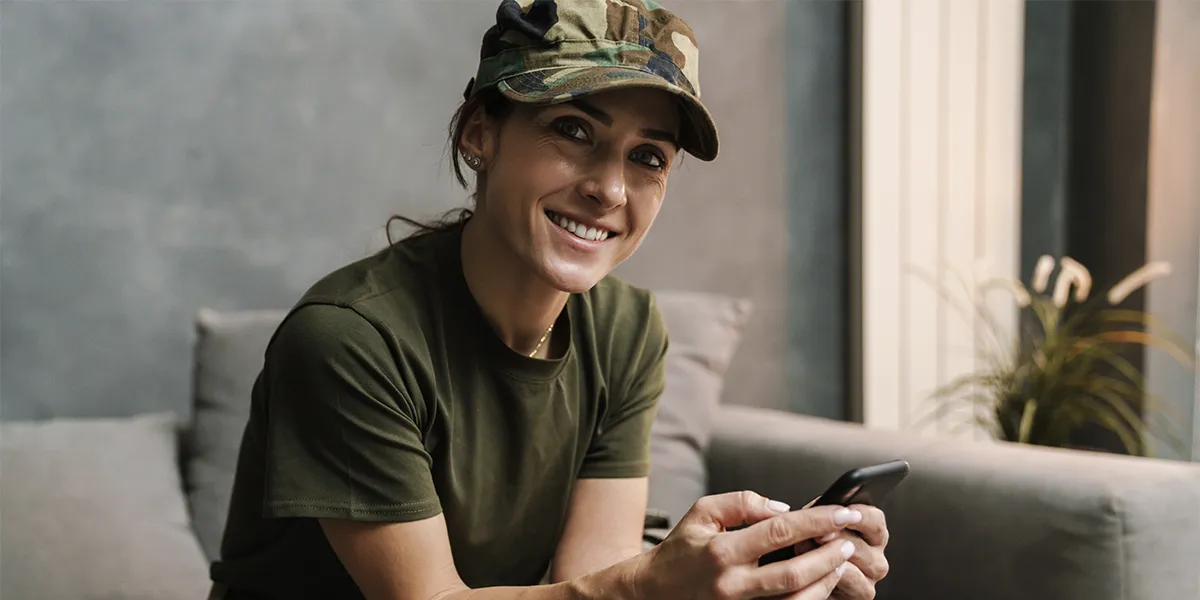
468	411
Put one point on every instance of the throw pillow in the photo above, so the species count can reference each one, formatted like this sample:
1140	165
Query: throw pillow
229	354
705	331
94	509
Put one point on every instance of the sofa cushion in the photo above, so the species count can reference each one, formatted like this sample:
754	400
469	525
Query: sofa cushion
705	331
228	353
94	508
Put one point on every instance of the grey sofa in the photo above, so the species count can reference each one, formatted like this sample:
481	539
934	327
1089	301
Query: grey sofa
989	521
106	508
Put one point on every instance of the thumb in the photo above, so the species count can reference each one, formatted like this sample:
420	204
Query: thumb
733	509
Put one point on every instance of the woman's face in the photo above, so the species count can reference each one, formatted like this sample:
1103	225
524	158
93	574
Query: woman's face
573	188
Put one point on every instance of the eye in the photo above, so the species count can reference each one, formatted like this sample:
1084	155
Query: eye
649	158
570	128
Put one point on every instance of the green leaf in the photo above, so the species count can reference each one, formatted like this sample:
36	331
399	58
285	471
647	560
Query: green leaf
942	410
957	385
1137	338
1047	314
1027	415
971	314
1128	437
1150	322
1166	433
1117	404
1151	403
1116	361
1079	314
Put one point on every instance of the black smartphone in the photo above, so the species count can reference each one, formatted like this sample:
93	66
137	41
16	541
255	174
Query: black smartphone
864	485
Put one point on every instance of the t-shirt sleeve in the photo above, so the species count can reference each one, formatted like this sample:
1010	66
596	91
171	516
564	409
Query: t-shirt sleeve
621	447
343	437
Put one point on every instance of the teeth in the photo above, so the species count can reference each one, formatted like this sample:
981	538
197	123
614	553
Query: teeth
581	231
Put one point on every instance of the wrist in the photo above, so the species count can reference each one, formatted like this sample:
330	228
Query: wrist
621	581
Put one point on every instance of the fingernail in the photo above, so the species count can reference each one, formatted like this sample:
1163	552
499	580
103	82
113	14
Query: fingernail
845	516
841	569
847	549
778	506
827	537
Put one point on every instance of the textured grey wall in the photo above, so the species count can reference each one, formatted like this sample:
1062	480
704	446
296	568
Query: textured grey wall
158	157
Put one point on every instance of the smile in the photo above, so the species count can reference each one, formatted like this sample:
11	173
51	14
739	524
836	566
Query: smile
580	231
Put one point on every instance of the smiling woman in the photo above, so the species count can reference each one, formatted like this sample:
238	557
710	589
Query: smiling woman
467	413
570	189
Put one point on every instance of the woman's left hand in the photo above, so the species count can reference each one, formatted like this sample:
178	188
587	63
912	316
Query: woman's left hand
868	565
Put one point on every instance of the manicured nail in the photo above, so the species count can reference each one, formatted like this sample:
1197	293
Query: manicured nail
841	569
845	516
778	506
847	549
825	539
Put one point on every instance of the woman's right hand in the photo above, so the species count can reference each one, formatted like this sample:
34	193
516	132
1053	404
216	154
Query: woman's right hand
703	560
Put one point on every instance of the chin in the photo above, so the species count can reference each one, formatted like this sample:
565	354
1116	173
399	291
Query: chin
571	278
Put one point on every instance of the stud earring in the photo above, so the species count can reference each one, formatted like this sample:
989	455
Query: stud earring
472	161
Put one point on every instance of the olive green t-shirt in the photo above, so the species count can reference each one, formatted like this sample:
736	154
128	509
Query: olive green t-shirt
386	396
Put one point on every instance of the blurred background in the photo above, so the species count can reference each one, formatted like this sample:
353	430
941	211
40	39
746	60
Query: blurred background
157	158
972	220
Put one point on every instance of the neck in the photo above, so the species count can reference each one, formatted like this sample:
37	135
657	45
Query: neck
518	304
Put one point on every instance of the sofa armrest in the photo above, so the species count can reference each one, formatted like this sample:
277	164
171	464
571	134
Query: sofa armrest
987	520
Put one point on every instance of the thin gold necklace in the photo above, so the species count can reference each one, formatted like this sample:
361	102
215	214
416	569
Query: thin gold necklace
541	341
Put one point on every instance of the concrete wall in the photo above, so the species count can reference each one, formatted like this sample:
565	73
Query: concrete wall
157	157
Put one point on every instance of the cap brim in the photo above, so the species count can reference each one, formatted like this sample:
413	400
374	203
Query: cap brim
698	134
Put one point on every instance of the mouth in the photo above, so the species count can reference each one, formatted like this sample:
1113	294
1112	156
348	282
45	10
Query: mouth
583	232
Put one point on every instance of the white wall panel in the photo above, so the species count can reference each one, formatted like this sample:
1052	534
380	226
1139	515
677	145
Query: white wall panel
941	194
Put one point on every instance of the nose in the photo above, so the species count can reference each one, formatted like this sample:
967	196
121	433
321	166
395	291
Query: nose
605	183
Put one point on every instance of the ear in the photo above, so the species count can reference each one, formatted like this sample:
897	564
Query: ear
480	136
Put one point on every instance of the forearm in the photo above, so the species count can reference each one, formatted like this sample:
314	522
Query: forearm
617	582
604	526
566	568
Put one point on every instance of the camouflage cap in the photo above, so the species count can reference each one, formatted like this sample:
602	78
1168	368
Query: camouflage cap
550	51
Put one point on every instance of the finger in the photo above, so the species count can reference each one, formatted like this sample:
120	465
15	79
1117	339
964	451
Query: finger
812	544
854	585
732	509
819	590
868	559
786	530
873	525
798	573
809	545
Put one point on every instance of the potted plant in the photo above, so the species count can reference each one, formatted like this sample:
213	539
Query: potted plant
1067	369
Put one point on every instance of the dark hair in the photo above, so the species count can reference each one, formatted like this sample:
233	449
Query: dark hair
496	106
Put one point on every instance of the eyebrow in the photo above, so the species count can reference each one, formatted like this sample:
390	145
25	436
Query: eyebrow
603	117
